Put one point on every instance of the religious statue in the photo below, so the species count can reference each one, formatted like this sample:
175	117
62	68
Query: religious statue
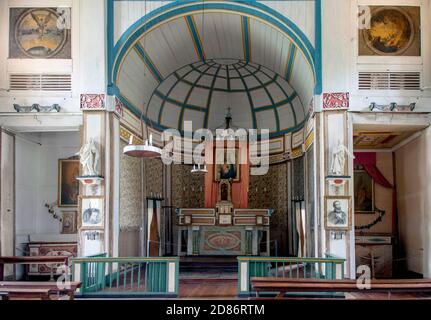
89	158
339	159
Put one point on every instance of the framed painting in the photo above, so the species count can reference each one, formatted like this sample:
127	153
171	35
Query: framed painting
337	212
364	192
227	165
92	213
68	185
40	33
389	31
68	222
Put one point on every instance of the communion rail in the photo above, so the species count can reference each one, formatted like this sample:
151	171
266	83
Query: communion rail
102	276
329	268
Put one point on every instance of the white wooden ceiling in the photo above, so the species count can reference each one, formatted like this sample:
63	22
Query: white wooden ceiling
214	36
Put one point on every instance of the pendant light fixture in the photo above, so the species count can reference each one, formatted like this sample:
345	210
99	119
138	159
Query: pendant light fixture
146	150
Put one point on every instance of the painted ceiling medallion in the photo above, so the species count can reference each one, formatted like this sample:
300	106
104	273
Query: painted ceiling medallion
392	31
38	35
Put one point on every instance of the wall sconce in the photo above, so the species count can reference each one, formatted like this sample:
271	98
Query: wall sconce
36	108
393	106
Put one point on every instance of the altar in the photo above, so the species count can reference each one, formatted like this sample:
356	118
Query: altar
210	233
223	230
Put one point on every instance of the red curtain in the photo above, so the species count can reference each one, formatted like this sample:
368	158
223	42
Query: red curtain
369	161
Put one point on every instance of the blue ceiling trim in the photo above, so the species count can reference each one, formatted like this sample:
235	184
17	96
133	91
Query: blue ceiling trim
250	99
278	104
210	97
191	24
277	118
294	94
264	12
186	100
169	92
245	23
318	46
290	62
177	103
148	62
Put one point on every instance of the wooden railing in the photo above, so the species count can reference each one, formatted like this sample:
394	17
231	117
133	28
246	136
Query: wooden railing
122	277
300	268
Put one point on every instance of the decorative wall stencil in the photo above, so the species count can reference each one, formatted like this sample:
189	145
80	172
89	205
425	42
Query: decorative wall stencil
154	176
393	31
270	192
93	101
130	191
119	107
188	189
340	100
40	33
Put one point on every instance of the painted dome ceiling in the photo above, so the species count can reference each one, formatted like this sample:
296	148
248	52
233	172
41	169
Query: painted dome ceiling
189	64
202	92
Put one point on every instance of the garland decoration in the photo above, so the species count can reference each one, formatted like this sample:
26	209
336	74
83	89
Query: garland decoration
372	224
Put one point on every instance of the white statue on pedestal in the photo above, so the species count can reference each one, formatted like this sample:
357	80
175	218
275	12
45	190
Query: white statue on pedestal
339	159
89	158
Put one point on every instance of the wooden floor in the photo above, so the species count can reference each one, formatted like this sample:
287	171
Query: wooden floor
208	288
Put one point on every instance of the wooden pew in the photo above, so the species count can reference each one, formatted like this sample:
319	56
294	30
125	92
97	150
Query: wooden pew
27	260
281	286
27	294
4	296
52	287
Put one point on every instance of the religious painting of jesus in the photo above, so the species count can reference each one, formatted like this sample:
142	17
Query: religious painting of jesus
68	185
227	165
364	192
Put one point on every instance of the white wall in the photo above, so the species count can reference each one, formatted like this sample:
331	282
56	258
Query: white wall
341	62
87	66
37	158
413	163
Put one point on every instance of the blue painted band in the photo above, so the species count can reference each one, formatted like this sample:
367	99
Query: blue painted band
143	24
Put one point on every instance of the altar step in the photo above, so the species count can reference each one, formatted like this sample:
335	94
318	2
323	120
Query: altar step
209	265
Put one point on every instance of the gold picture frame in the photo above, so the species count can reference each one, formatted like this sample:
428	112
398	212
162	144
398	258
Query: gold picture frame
364	190
231	171
68	185
338	216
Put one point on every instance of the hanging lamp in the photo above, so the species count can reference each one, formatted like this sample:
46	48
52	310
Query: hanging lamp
146	150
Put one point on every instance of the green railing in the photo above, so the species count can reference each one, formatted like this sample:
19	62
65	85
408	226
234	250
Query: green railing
121	277
300	268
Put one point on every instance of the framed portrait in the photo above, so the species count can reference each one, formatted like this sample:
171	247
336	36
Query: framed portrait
227	165
68	185
338	212
92	213
69	222
364	192
389	31
40	33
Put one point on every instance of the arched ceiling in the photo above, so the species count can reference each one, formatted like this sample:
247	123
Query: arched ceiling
201	92
153	57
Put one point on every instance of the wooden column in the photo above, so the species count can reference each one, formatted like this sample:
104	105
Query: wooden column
101	125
